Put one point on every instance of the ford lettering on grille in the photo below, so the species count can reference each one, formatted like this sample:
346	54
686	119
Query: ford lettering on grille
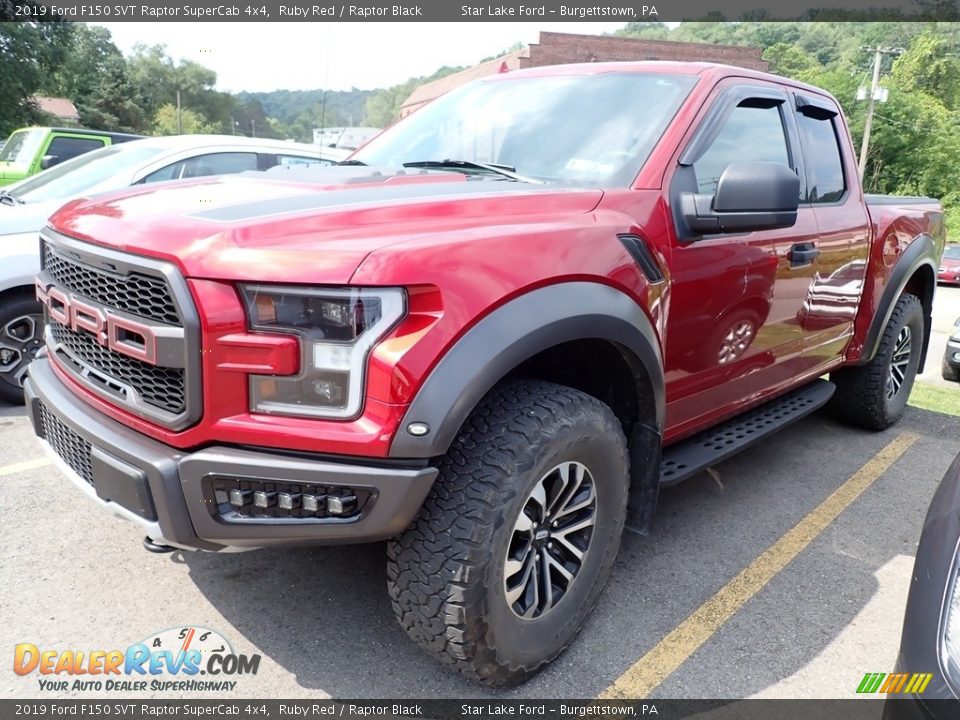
122	335
124	327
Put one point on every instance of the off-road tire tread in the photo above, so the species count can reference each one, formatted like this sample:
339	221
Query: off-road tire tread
949	372
860	398
433	567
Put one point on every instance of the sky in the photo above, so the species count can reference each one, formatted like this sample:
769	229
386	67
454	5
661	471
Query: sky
333	56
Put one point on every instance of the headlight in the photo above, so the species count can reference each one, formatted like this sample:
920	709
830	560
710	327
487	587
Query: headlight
337	328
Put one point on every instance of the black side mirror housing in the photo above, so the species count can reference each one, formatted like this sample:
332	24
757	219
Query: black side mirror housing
48	161
750	196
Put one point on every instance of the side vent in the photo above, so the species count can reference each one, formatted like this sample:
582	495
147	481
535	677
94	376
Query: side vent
637	247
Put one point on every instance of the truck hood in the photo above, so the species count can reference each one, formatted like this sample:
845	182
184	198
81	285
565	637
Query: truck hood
258	226
27	218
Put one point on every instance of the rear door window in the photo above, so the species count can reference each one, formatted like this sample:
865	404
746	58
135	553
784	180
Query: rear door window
822	159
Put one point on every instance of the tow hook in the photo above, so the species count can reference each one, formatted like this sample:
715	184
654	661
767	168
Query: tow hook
150	546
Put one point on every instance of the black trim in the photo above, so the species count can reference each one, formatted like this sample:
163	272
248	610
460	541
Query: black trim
640	252
815	107
513	333
174	480
921	252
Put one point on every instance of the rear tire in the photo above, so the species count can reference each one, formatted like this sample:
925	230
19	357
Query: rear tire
532	463
875	395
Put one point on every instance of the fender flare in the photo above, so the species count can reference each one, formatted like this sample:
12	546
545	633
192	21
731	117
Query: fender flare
922	251
513	333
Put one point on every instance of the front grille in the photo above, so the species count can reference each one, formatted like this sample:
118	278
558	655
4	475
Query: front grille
141	302
162	387
137	294
72	449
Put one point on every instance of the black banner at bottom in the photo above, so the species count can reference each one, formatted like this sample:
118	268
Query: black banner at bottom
854	709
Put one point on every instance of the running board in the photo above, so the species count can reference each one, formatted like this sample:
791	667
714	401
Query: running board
695	454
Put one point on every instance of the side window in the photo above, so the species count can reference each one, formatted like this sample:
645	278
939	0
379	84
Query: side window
66	148
299	161
822	159
203	165
218	164
170	172
749	134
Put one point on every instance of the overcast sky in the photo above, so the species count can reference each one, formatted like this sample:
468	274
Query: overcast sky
336	56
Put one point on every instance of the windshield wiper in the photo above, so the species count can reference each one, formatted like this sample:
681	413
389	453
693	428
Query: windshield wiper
344	163
8	199
503	170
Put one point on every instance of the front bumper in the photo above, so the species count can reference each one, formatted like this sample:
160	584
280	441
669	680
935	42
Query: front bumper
168	492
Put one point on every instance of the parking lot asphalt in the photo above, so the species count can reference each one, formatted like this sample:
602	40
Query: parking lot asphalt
75	578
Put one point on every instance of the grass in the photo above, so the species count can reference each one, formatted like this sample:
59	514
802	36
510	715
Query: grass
939	398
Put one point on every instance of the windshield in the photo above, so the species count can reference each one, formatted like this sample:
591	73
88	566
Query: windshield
22	146
952	252
595	129
97	171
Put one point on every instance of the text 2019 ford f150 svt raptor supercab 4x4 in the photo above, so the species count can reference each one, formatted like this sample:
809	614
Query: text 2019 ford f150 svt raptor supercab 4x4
490	338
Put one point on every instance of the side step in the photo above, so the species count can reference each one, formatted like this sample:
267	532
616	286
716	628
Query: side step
695	454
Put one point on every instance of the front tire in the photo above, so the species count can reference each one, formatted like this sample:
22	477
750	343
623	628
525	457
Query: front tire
536	483
21	337
875	395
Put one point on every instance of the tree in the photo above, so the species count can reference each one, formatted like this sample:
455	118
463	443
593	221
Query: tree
94	76
165	122
28	52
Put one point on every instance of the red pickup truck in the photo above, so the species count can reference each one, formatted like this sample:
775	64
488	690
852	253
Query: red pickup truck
490	338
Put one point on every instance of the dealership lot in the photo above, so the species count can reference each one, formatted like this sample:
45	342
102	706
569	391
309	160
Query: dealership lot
77	579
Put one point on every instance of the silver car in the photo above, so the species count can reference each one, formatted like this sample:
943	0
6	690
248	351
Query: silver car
25	207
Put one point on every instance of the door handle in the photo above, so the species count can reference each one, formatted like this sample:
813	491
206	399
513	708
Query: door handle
803	254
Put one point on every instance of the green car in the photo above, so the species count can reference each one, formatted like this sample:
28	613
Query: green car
31	150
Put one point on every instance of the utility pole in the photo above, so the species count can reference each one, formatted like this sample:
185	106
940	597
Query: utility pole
878	53
179	115
871	100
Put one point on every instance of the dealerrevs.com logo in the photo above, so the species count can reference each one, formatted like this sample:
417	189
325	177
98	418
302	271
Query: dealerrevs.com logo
186	659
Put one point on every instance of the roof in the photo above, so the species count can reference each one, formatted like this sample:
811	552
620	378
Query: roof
187	142
431	90
58	107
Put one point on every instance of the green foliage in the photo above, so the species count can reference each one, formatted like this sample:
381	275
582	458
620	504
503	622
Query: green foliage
29	51
165	122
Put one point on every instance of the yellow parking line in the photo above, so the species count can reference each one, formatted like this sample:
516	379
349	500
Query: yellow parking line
672	651
20	467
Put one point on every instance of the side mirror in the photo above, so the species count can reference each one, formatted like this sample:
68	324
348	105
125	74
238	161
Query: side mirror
48	161
750	196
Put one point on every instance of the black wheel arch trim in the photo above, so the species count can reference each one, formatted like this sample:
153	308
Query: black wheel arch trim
919	253
513	333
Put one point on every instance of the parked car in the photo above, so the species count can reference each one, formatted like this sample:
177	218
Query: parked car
548	294
30	150
930	642
25	207
951	356
949	271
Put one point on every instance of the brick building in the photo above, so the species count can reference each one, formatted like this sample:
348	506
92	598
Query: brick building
562	48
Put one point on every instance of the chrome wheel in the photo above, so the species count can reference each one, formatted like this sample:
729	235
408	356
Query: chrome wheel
20	341
550	539
735	341
899	362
